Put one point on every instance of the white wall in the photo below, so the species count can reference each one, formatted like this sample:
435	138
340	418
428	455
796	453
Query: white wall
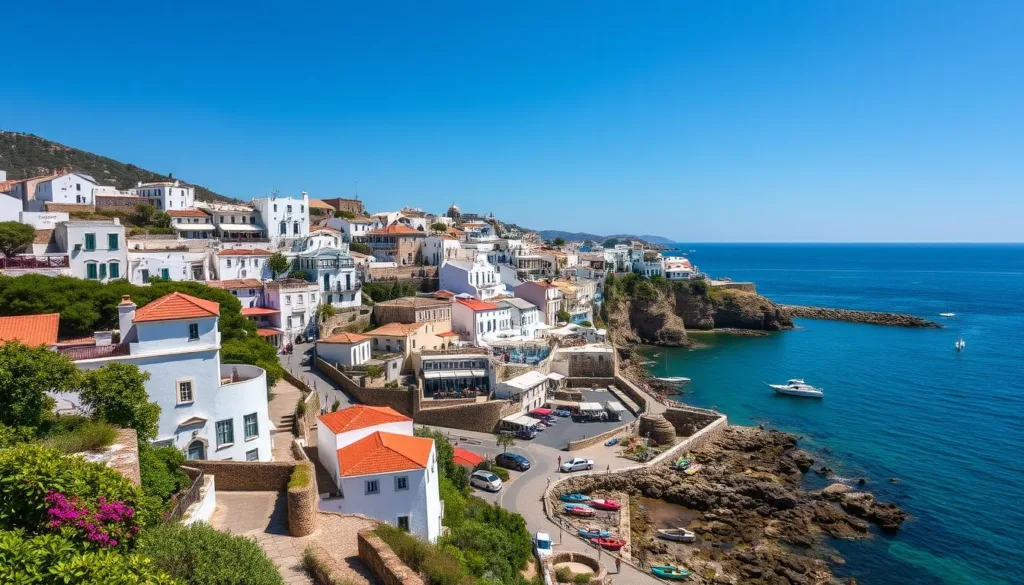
71	234
290	212
343	353
10	208
177	264
236	267
67	189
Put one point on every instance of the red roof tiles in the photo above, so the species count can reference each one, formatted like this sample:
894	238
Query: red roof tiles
395	329
186	213
236	283
257	311
346	338
476	305
396	229
384	453
467	458
30	330
360	416
177	306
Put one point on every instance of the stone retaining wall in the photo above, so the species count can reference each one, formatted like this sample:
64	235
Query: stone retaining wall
627	428
247	476
481	417
324	569
589	382
629	389
688	421
302	503
400	400
600	576
383	562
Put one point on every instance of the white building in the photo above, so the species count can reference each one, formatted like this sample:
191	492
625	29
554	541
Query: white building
96	249
678	268
71	188
248	291
165	260
476	320
234	223
478	278
208	410
285	218
294	302
166	195
334	272
346	349
647	262
526	318
529	390
380	469
438	249
192	224
355	229
238	263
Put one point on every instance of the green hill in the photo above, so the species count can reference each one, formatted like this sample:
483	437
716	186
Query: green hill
26	155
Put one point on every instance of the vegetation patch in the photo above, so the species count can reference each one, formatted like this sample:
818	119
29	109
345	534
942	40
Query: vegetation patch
90	435
199	555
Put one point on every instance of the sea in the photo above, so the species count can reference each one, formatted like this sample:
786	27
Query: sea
938	432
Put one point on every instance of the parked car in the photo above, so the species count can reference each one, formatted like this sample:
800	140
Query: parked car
577	464
485	480
542	542
512	461
563	413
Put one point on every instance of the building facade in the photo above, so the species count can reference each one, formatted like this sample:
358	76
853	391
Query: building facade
545	296
96	249
476	278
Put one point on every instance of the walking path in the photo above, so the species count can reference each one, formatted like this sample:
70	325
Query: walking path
329	392
282	412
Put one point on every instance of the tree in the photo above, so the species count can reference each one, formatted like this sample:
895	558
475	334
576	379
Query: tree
117	394
559	241
299	274
563	316
325	312
278	263
439	226
610	243
144	214
15	236
361	248
504	441
344	214
161	219
26	375
374	372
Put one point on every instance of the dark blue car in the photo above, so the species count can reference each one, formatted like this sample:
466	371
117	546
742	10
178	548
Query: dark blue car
512	461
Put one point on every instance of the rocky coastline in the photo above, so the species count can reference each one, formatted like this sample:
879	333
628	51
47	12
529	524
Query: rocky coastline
754	522
852	316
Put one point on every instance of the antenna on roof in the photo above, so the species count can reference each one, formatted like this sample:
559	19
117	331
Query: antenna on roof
273	194
357	189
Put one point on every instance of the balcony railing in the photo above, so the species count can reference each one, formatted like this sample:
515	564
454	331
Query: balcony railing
35	262
339	287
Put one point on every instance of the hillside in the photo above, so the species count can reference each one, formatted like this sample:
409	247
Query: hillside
582	236
26	155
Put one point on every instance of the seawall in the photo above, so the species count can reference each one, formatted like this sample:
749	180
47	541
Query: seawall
851	316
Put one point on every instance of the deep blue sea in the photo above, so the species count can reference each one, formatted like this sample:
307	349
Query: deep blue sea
899	403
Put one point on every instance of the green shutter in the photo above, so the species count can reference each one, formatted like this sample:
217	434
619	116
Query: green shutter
115	270
103	271
90	242
111	241
165	274
90	271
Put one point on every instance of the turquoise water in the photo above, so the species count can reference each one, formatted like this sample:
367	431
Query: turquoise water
899	403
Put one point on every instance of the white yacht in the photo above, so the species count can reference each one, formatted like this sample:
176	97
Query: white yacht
674	380
960	344
796	387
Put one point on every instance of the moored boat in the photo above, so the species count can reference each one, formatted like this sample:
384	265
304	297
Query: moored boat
797	387
674	380
590	533
575	498
677	534
670	572
609	543
579	510
602	504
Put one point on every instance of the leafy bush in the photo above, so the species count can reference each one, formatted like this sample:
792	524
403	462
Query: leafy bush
117	394
361	248
489	465
493	541
160	470
255	351
563	575
441	565
581	578
90	435
445	457
199	555
27	374
14	236
320	571
300	407
52	559
344	214
103	523
386	290
563	316
11	436
587	324
160	231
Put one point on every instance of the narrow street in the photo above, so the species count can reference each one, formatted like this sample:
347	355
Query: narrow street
323	385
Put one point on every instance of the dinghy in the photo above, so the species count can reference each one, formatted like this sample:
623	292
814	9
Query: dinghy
677	534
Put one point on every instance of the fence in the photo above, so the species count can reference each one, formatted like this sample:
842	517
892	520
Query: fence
183	500
35	262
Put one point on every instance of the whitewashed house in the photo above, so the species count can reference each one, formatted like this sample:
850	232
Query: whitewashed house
96	249
67	189
166	195
334	272
476	321
192	224
240	263
234	223
678	268
346	349
162	259
437	249
529	390
477	278
526	318
380	469
286	218
293	303
355	229
207	409
248	291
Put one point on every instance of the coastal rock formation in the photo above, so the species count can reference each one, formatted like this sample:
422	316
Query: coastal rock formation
754	522
870	317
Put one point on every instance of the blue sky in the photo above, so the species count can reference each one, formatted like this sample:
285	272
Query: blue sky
711	121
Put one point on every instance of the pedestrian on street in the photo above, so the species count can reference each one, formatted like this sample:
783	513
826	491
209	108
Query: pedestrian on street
559	461
314	385
618	565
609	470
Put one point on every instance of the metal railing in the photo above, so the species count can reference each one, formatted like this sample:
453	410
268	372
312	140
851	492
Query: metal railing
35	262
183	500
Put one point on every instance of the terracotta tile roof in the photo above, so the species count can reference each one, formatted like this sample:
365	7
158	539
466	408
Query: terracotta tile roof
384	453
467	458
448	334
396	329
396	229
76	342
244	252
186	213
361	416
30	330
345	338
456	231
257	311
6	186
176	306
267	332
236	283
415	302
91	352
476	305
319	204
444	294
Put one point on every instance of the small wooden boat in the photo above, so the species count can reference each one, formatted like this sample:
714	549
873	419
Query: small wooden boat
602	504
693	468
579	510
609	543
590	533
670	572
575	498
677	534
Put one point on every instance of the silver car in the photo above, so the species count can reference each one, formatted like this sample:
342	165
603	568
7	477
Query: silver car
485	480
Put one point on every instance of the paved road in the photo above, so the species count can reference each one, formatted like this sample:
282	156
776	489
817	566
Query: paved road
322	384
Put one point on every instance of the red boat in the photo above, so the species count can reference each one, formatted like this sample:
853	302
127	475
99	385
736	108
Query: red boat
609	543
605	504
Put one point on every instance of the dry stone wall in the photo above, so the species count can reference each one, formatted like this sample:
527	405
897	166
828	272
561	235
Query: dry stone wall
302	503
400	399
481	417
383	562
247	476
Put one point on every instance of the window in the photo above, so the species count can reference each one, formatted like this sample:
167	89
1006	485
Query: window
115	270
193	331
288	208
275	207
165	274
403	523
103	271
90	271
229	263
185	395
90	242
253	455
295	228
252	428
401	483
372	487
287	299
145	275
225	432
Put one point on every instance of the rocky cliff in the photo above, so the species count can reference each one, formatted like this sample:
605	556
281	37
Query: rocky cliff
660	312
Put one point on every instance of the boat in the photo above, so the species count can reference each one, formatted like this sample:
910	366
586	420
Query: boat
579	510
593	533
677	534
682	463
609	543
797	387
670	572
693	468
674	380
574	498
601	504
612	442
947	314
960	344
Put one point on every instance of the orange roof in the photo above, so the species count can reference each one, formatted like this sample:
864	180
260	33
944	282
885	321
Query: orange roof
476	305
384	453
448	334
177	306
267	332
344	338
467	458
30	330
444	294
395	329
244	252
319	204
236	283
361	416
186	213
396	229
257	311
456	231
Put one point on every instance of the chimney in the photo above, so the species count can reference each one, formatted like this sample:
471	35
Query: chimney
125	316
139	184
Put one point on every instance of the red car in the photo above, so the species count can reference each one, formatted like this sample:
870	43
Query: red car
605	504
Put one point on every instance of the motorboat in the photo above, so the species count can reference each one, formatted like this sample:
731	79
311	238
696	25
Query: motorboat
609	543
947	314
579	510
674	380
590	533
797	387
960	344
575	498
677	534
602	504
670	572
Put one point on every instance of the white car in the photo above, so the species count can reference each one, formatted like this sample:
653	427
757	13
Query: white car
485	480
542	542
577	464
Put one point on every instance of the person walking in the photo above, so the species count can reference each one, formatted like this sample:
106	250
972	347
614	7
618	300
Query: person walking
618	565
559	462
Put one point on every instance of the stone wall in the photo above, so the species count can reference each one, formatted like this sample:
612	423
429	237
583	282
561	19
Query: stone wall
628	428
589	382
324	569
247	476
400	399
404	274
591	364
629	389
503	372
118	202
383	562
688	421
749	287
481	417
443	402
600	576
302	502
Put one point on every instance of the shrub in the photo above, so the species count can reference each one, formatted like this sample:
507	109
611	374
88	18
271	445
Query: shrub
88	436
160	231
320	570
103	524
27	374
117	394
563	575
335	405
489	465
160	470
587	324
441	565
11	436
52	559
344	214
300	408
563	316
199	555
581	578
300	476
